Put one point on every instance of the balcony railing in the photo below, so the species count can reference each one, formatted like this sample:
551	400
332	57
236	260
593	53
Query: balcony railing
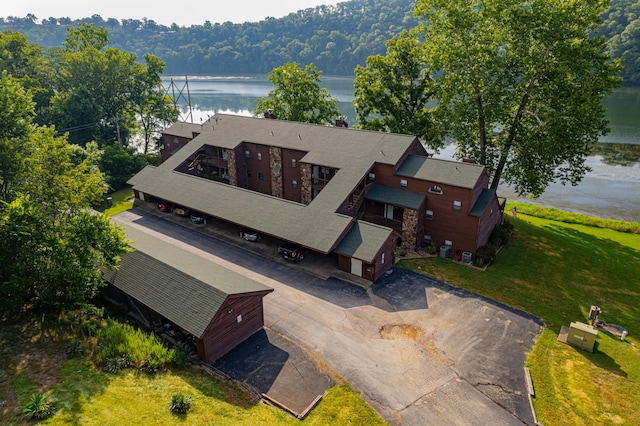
384	221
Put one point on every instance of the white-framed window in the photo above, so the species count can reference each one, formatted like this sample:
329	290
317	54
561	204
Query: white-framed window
294	163
403	183
457	205
247	153
294	183
372	177
261	176
382	259
239	318
259	156
429	214
435	189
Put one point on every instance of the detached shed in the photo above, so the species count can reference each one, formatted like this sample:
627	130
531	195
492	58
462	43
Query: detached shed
218	307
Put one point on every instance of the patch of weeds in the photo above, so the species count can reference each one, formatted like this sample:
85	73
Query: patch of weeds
180	403
41	406
75	349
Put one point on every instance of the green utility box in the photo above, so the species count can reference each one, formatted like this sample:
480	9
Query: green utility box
582	336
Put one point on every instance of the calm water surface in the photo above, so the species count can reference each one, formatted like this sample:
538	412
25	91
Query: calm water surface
607	191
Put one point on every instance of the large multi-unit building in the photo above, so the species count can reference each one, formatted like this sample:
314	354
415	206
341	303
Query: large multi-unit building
360	194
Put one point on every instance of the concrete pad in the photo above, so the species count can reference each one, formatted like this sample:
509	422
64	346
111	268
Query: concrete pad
277	367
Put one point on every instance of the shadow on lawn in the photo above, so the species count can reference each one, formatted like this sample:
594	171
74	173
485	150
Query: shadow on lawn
34	360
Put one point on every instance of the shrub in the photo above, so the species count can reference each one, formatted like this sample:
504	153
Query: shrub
113	364
149	365
75	349
40	406
180	403
432	248
120	340
484	255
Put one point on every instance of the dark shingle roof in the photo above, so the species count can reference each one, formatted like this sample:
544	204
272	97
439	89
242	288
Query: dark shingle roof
363	241
184	287
464	175
397	197
482	202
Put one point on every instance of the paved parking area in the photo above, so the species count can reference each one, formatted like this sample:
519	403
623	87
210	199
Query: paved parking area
418	350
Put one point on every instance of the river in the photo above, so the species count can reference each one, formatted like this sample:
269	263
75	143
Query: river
611	191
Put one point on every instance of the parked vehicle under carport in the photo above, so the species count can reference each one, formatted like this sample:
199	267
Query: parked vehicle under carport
291	251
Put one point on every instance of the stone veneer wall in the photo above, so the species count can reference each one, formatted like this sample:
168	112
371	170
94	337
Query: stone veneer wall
231	164
409	228
275	166
305	172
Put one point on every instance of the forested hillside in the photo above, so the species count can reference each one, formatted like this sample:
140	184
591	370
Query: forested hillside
335	38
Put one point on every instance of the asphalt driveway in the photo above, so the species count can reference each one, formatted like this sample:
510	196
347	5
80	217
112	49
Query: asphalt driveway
418	350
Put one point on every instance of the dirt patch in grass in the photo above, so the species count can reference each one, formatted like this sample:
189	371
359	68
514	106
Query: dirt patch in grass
31	361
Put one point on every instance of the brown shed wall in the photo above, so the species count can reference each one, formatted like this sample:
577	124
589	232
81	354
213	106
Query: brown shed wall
225	332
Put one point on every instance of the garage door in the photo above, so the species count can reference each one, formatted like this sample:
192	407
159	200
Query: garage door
356	267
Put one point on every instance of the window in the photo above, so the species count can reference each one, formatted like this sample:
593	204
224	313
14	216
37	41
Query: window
372	177
429	214
457	205
382	258
259	156
247	154
403	183
294	183
249	173
261	176
435	189
293	162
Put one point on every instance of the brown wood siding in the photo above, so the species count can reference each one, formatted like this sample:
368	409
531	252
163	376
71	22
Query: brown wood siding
491	217
344	263
170	143
259	165
225	332
291	173
388	249
241	166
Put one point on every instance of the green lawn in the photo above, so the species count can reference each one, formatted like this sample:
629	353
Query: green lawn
34	360
122	200
557	270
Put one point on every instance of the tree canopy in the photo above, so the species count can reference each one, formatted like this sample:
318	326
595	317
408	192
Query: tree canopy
298	96
520	84
335	38
394	93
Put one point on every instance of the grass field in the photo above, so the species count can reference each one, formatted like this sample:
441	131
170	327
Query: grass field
34	360
557	270
121	201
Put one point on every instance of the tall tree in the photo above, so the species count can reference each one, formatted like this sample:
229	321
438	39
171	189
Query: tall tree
298	96
16	117
520	84
394	93
52	245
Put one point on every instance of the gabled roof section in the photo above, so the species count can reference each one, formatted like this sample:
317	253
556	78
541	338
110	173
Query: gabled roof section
397	197
464	175
185	288
183	130
482	202
316	226
363	241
